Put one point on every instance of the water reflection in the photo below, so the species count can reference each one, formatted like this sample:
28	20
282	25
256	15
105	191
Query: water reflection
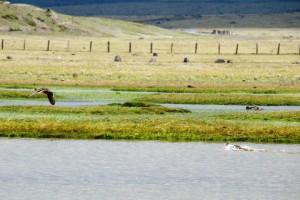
81	169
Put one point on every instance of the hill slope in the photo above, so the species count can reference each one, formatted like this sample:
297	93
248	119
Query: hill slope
168	7
30	19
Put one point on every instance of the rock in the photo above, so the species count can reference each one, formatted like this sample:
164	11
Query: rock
220	60
186	60
152	60
117	58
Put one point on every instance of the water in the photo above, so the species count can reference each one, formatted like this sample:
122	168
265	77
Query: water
192	107
82	169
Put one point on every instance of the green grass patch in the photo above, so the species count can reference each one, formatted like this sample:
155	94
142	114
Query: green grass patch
113	109
208	89
288	116
166	129
224	99
143	121
179	98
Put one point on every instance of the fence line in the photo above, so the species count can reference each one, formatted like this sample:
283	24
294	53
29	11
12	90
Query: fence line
160	46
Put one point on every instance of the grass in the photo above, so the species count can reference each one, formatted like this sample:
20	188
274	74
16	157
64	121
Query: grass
125	108
75	74
248	73
138	121
212	97
224	99
32	20
69	94
291	116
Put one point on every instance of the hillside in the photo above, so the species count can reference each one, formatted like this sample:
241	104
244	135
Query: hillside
169	7
185	13
23	18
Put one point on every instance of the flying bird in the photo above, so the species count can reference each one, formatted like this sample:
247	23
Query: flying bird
46	91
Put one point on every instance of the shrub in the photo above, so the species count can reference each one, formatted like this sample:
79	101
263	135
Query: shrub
14	29
30	22
10	17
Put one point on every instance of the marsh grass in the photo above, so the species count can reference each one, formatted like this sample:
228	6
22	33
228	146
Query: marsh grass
142	121
291	116
264	79
213	97
113	109
70	94
210	88
224	99
167	129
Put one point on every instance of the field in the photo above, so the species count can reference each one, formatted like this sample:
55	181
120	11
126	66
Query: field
70	66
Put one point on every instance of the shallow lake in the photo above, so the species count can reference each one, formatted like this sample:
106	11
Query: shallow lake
98	169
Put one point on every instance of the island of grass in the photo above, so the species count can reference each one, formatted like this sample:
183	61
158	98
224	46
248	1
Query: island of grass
143	121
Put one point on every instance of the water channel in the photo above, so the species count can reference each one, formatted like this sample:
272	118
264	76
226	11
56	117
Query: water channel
98	169
192	107
108	100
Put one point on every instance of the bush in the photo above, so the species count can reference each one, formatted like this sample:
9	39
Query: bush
10	17
30	22
14	29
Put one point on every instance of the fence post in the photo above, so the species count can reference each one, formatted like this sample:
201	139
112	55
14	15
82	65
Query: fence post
278	49
24	44
219	48
48	45
68	45
91	46
256	48
237	49
151	47
129	47
2	44
108	46
196	47
171	48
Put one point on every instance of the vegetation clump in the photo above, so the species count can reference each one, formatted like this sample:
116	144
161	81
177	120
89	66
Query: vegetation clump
9	17
147	123
14	29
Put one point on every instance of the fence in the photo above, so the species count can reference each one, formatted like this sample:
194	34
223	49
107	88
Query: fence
141	46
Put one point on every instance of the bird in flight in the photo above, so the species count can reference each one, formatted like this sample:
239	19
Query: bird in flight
46	91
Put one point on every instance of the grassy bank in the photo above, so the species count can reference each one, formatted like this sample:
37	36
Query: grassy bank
225	99
139	121
72	94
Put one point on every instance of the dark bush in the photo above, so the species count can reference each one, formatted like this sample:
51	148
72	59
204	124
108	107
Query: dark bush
10	17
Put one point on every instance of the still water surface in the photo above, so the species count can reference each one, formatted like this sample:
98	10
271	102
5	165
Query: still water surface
97	169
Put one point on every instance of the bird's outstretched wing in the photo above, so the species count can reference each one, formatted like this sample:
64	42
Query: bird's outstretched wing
50	96
46	91
36	91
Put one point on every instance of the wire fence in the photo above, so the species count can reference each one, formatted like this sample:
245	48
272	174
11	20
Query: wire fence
140	46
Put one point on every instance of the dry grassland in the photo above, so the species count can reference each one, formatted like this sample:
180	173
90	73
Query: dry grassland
70	62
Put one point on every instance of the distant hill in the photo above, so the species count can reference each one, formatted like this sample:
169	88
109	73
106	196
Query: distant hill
23	18
167	7
184	13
